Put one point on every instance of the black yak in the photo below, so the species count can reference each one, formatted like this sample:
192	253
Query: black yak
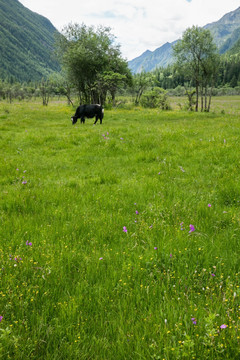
88	111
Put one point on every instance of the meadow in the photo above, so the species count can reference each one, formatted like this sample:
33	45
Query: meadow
121	240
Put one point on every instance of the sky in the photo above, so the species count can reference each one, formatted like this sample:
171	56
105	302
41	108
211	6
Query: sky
138	25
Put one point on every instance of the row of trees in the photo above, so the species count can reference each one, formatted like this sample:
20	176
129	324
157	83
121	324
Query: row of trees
228	74
93	64
93	69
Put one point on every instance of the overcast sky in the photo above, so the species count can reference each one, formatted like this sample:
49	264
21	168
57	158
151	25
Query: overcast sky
138	25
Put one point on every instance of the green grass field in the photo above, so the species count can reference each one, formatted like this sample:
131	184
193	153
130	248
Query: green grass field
121	240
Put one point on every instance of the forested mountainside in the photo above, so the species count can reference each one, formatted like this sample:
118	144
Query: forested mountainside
226	34
26	43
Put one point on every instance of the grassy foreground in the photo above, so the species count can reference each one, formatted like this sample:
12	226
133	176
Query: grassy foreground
119	241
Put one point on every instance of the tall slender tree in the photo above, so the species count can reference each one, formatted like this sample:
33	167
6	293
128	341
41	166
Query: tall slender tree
197	58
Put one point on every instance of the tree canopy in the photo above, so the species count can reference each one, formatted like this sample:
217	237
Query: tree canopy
197	58
92	61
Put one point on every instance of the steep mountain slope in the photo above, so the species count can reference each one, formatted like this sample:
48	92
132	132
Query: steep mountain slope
223	29
226	33
26	43
151	59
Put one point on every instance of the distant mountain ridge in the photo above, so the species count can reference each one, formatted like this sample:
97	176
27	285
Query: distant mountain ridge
225	32
26	43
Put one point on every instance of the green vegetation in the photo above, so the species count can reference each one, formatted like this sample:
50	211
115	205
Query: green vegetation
26	43
92	62
119	241
197	61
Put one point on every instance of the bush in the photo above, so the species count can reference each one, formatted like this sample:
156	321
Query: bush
157	97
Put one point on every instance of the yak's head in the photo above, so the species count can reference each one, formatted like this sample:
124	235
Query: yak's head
74	119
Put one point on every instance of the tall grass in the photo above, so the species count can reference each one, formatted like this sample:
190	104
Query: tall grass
98	259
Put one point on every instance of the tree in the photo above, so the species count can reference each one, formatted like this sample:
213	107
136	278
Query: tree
141	82
87	55
197	58
157	97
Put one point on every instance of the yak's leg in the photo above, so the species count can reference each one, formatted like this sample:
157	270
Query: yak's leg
82	120
96	119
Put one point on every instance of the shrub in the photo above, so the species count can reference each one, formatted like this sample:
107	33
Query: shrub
157	97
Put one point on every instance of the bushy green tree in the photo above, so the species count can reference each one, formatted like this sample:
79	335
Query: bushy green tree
157	97
89	57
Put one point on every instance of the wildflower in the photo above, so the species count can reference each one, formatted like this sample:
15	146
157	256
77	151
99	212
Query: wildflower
181	224
100	258
194	321
1	317
192	228
125	229
213	274
170	255
223	326
155	248
137	212
24	182
28	243
209	205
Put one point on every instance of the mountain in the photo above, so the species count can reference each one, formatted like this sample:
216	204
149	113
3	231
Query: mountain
26	43
223	29
225	32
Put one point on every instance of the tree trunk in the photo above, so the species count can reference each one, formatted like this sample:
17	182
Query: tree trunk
210	98
201	98
197	95
205	102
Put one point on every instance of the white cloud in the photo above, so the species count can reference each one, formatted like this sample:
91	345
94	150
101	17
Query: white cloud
138	24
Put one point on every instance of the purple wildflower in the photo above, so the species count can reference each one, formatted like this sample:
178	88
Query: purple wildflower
1	317
170	255
213	274
194	321
192	228
137	212
223	326
125	229
155	248
100	258
209	205
24	182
